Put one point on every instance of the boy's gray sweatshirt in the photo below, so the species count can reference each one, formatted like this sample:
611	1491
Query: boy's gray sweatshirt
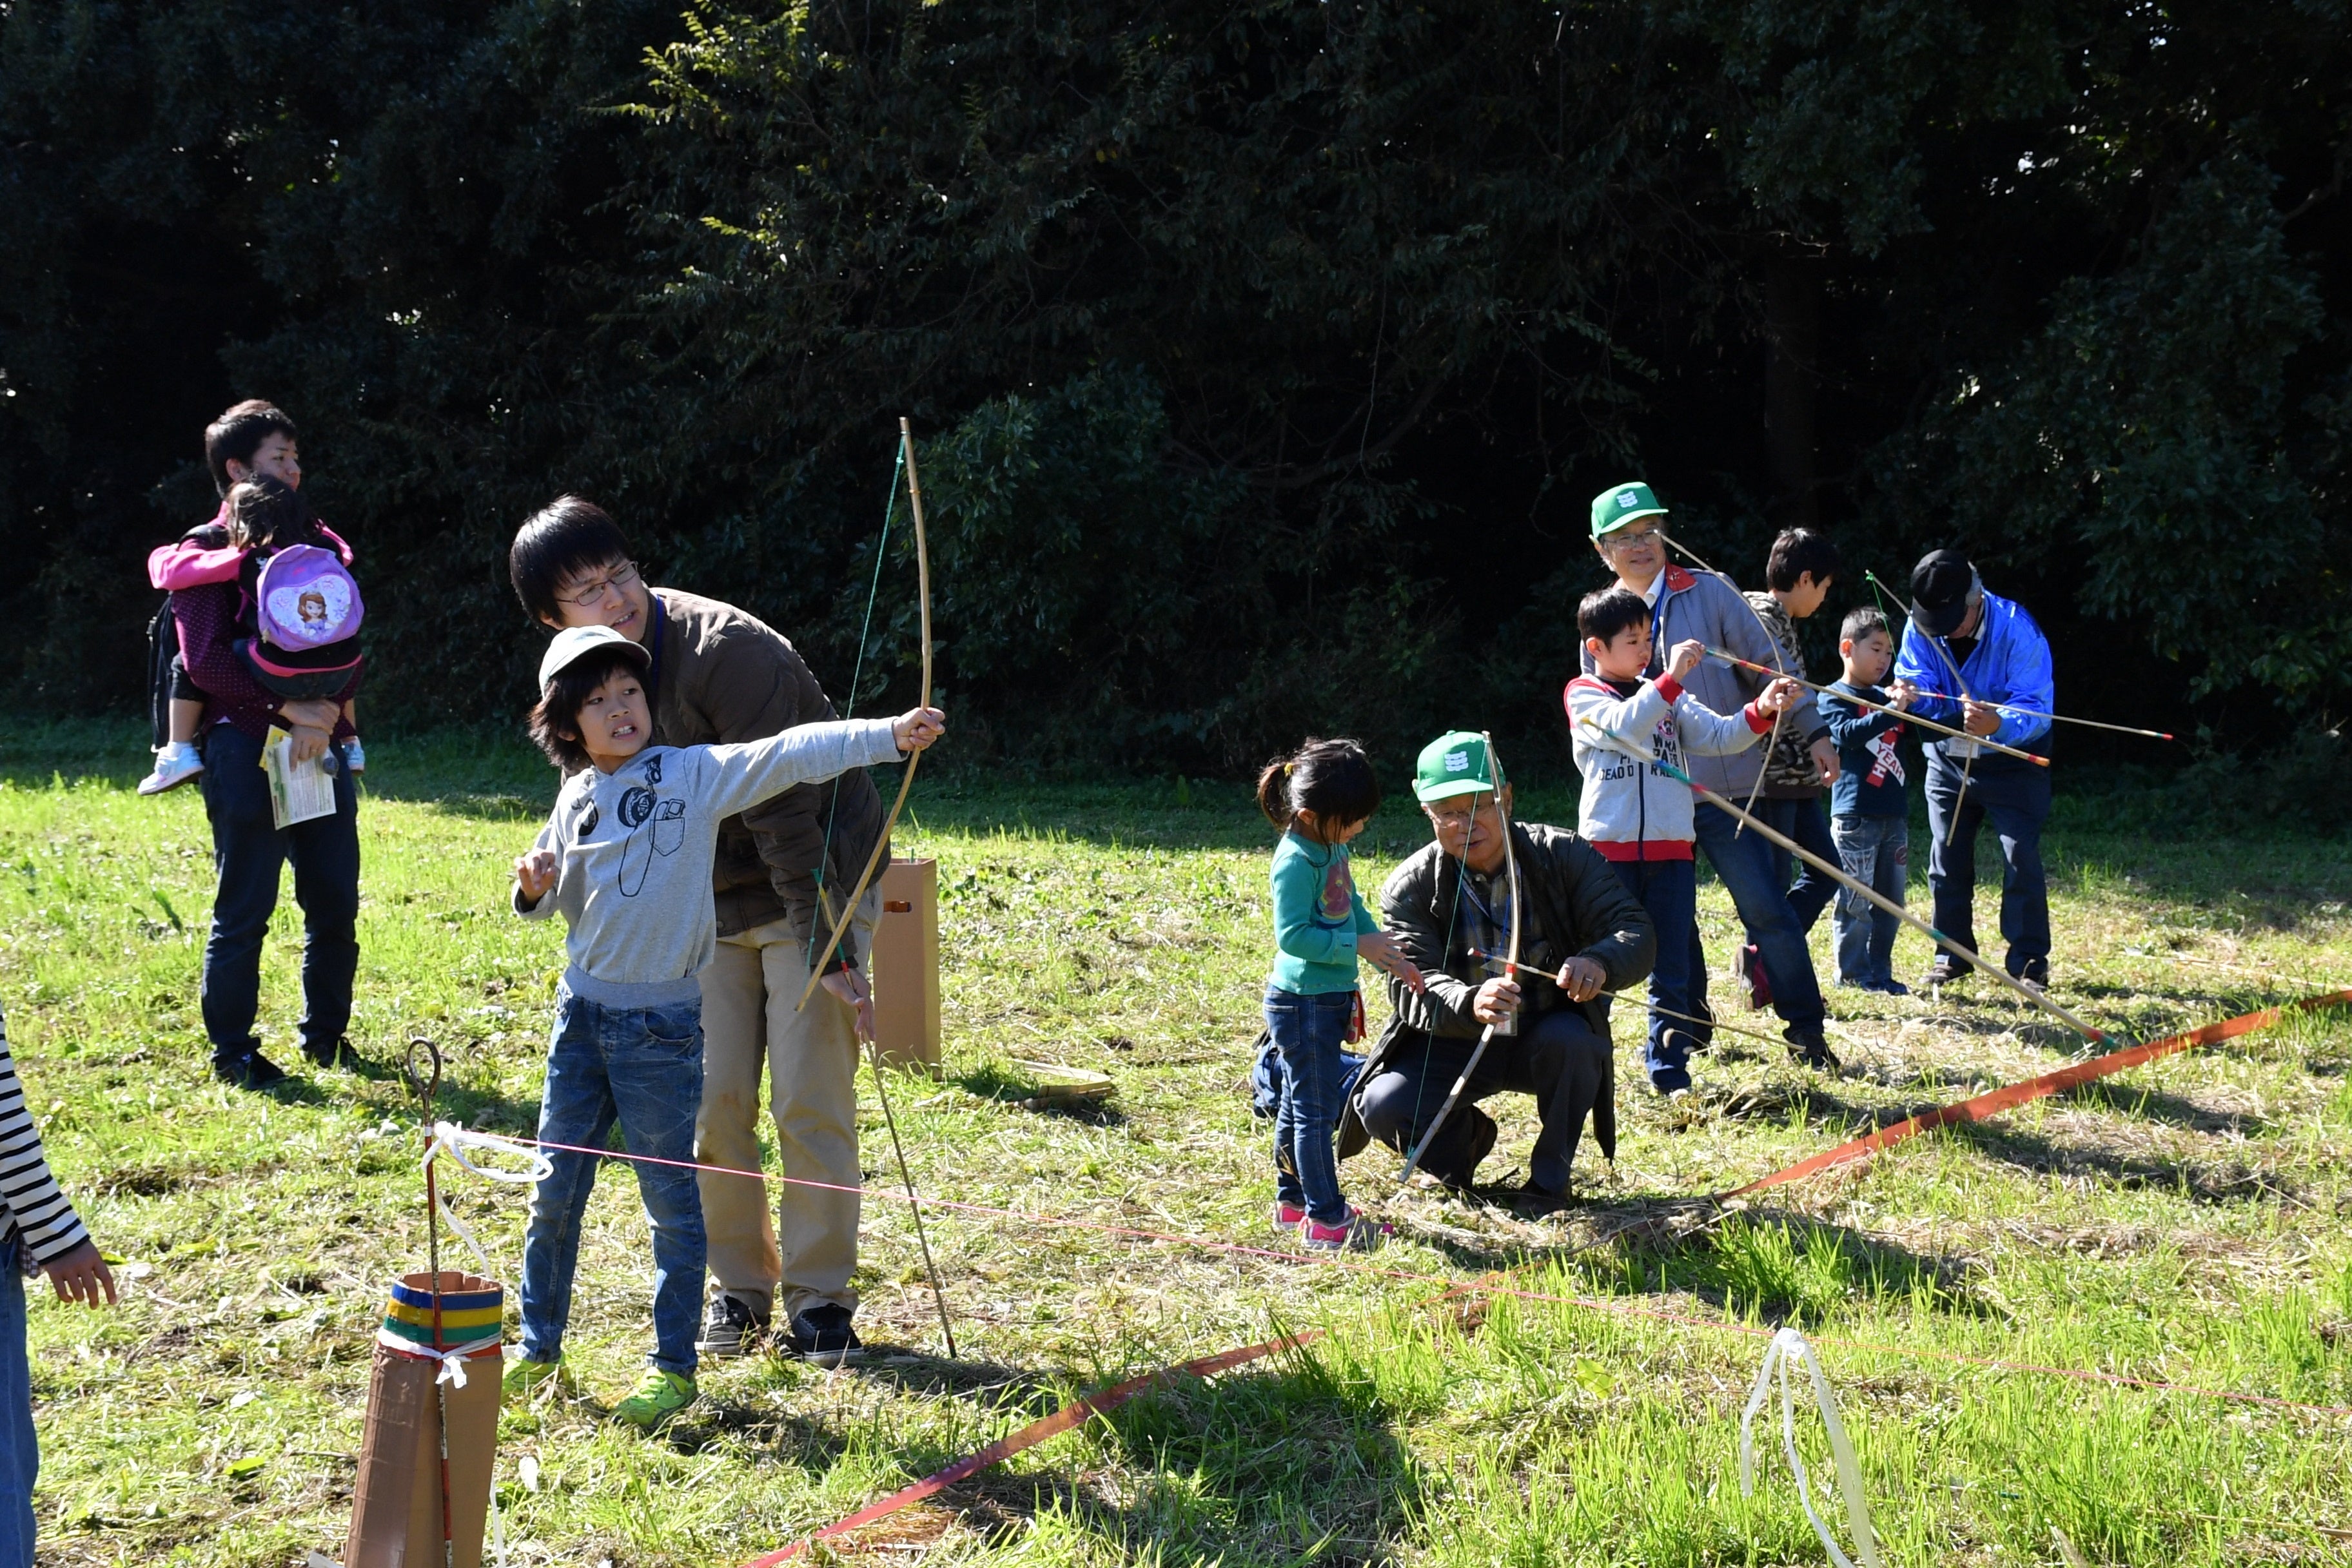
1631	809
635	846
1703	605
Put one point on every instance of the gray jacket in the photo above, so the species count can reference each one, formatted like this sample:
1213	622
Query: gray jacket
1577	897
1703	605
635	845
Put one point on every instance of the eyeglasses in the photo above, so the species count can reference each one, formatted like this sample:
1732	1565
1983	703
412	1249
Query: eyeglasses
1456	817
593	596
1627	538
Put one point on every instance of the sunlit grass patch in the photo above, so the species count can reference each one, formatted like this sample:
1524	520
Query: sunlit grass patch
2183	1223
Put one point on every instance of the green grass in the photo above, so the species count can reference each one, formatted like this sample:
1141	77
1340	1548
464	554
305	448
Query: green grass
2185	1221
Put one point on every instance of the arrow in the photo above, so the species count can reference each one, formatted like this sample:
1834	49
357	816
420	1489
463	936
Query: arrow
1905	714
1837	874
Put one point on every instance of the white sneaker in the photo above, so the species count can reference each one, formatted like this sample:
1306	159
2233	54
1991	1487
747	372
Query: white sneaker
175	764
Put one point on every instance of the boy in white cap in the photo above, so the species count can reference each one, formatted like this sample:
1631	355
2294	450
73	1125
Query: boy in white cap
626	855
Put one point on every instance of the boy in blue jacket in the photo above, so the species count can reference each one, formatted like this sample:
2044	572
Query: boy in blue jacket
1869	807
1980	663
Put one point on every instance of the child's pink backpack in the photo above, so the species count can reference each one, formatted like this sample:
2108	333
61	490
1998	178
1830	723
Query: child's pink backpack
307	609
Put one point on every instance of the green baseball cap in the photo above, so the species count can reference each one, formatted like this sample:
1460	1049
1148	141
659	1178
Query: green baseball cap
1613	507
1454	764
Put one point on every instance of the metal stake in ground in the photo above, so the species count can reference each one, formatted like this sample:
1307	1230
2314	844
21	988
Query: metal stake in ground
1486	1036
425	1088
1837	874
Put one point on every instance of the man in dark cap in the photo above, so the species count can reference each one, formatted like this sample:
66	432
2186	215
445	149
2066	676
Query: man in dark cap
1981	664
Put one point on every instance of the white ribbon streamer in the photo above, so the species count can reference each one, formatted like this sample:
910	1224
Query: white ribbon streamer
1789	1346
449	1137
453	1359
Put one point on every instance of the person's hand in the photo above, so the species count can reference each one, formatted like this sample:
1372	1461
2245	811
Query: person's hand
1496	1001
849	988
916	729
1581	979
310	744
1685	659
535	873
1825	760
1779	696
318	713
1380	950
1901	695
80	1275
1980	719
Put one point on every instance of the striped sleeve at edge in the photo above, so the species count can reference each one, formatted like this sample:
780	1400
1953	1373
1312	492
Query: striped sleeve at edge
38	1208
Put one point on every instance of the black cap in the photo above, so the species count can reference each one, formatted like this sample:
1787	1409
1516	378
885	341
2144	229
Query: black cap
1941	586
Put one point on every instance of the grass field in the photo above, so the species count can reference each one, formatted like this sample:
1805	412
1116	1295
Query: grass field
2184	1222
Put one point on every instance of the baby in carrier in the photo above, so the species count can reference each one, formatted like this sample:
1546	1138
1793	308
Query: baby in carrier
298	604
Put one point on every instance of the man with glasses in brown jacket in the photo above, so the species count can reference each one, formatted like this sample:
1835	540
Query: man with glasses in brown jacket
718	675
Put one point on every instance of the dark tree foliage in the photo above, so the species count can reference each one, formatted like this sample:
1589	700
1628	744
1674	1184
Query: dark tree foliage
1265	353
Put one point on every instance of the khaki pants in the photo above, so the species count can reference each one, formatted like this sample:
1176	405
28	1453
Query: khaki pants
807	1250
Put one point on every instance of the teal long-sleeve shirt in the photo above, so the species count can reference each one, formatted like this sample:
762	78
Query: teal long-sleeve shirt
1317	915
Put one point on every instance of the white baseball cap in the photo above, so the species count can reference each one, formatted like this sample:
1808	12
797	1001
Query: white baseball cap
572	642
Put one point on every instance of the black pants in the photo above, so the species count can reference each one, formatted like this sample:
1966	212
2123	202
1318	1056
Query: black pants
1558	1059
248	850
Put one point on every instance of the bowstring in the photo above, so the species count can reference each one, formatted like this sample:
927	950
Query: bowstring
849	705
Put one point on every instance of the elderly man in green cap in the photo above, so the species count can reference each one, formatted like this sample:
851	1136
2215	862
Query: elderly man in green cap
1629	533
1453	908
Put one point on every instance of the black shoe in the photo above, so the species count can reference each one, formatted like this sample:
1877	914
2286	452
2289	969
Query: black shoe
2035	971
730	1328
1478	1142
822	1336
1946	970
1806	1045
250	1070
1535	1201
339	1054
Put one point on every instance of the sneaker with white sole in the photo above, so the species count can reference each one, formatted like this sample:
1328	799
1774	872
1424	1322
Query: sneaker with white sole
175	764
1360	1232
821	1335
730	1329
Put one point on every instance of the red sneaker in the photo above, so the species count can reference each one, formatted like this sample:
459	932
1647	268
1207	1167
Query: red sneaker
1760	986
1289	1217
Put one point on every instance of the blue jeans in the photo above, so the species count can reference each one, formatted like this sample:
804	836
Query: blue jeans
1668	891
642	1068
1804	821
20	1449
248	850
1309	1031
1558	1059
1743	861
2016	796
1874	851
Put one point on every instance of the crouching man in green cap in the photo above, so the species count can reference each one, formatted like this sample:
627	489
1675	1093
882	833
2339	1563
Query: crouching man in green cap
1452	909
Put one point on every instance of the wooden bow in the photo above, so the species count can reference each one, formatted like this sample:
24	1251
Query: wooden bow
923	582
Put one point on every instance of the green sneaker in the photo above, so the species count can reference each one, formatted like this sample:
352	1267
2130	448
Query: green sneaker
658	1397
525	1378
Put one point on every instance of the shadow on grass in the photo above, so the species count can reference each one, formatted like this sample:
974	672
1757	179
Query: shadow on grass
2211	1182
2154	1105
1790	1267
1252	1467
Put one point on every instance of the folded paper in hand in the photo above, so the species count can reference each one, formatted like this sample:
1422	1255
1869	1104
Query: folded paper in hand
298	791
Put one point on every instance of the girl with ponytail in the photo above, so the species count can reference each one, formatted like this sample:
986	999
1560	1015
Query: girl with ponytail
1319	798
